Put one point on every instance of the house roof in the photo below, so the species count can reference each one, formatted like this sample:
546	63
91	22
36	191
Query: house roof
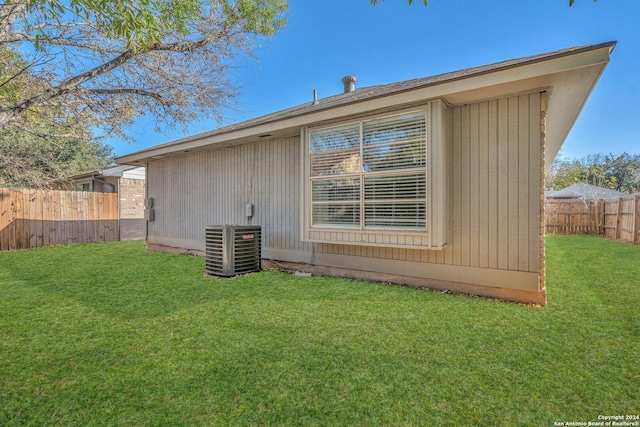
584	191
570	75
110	171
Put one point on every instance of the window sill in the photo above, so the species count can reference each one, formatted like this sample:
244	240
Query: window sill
414	239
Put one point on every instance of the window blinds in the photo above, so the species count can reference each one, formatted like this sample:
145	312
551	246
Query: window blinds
377	167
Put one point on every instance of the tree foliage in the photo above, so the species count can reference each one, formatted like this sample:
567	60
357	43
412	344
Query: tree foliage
102	64
40	148
616	172
30	161
74	70
140	23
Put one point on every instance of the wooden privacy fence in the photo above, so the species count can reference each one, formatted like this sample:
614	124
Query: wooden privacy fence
617	219
37	218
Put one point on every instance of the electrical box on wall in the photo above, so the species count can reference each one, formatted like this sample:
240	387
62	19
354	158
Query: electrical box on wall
248	211
149	213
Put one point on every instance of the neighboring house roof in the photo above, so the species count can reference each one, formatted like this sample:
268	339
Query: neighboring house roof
570	74
127	171
120	171
584	191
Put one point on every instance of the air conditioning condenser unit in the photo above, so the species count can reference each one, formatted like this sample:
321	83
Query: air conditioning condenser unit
232	249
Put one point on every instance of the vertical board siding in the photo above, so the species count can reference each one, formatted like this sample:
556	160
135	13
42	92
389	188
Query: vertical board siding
213	188
493	201
474	189
464	227
523	184
446	256
502	183
456	186
536	187
495	188
483	185
512	180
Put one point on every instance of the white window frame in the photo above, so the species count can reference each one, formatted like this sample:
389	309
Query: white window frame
432	235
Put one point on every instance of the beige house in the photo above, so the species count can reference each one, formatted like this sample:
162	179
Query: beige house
434	182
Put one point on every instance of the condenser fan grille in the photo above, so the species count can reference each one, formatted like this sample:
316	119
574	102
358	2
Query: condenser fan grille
232	249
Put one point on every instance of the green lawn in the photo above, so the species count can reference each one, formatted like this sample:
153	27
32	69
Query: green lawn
110	334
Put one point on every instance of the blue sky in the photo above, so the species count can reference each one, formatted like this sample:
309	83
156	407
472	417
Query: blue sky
392	41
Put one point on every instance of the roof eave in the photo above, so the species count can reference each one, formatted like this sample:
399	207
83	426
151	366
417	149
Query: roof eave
457	87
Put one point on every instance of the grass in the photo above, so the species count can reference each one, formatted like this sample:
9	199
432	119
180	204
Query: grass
110	334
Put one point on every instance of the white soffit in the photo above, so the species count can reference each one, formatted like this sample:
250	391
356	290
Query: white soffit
569	93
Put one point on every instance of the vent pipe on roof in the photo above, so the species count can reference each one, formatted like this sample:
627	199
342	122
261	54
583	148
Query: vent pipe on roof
349	83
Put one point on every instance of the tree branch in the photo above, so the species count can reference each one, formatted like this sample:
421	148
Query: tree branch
9	12
183	47
65	87
72	83
120	91
25	68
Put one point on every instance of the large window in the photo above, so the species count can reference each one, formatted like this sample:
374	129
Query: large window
378	180
370	174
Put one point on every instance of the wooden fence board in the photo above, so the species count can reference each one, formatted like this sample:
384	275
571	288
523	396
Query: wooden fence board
19	225
4	214
4	219
13	202
83	227
37	218
33	216
617	219
39	226
62	222
636	219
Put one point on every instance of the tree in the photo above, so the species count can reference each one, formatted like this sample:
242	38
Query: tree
40	148
625	171
101	65
616	172
30	161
